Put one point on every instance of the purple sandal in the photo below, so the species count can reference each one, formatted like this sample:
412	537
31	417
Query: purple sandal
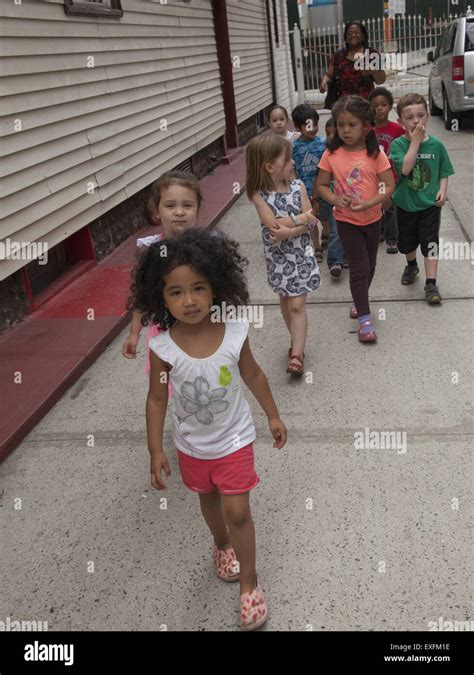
369	336
353	312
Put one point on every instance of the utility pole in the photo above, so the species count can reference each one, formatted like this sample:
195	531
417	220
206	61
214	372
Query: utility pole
340	20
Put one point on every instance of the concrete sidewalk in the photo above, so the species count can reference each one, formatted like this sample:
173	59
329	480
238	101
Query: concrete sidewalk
347	538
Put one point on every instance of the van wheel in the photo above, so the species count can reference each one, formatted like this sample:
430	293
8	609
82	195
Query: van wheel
449	116
434	110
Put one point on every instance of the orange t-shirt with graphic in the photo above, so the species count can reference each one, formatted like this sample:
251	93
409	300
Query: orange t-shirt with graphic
356	174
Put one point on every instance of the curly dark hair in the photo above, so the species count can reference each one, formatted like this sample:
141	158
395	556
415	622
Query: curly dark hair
382	91
217	258
360	108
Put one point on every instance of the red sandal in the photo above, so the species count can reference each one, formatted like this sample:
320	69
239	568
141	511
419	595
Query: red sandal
294	368
290	350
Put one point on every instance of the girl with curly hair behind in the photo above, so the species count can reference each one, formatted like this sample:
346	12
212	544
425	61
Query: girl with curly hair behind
178	285
174	203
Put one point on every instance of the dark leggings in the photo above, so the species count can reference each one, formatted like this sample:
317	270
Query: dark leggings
360	243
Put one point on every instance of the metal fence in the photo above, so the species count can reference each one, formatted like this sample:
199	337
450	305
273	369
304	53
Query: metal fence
403	42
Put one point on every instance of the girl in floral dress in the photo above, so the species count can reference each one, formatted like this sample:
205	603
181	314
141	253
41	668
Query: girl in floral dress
286	217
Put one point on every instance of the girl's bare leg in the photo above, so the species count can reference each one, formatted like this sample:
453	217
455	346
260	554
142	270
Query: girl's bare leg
285	311
299	323
236	512
211	510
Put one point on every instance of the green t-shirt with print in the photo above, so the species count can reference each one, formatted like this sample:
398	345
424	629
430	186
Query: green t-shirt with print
418	190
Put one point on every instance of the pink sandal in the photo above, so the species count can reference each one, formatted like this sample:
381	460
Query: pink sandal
226	564
253	609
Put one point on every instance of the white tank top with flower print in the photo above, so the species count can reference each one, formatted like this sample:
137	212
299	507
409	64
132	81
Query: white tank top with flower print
211	417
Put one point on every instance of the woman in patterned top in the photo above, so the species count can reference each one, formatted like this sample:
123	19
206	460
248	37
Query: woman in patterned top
346	64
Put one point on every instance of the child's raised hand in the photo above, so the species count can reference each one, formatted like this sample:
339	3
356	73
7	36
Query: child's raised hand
278	431
417	134
159	462
129	348
359	207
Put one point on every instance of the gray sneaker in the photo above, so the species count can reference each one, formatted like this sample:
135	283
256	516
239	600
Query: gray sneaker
432	294
409	275
335	270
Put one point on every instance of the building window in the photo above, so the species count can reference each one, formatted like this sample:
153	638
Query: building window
112	8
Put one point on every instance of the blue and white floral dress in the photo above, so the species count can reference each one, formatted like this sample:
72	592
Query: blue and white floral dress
292	268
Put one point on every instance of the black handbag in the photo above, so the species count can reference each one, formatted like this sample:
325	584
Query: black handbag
333	86
333	93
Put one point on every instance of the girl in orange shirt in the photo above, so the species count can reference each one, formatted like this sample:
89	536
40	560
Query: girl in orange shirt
363	180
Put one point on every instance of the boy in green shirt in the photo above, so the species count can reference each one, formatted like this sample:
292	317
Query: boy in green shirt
423	166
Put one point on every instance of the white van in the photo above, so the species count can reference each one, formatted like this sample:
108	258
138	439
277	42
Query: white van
451	81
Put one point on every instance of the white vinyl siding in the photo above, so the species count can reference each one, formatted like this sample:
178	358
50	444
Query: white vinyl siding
100	125
252	73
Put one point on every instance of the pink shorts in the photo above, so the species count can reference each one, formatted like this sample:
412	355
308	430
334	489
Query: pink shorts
231	475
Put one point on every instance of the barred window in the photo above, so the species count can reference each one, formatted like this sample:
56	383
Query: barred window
112	8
